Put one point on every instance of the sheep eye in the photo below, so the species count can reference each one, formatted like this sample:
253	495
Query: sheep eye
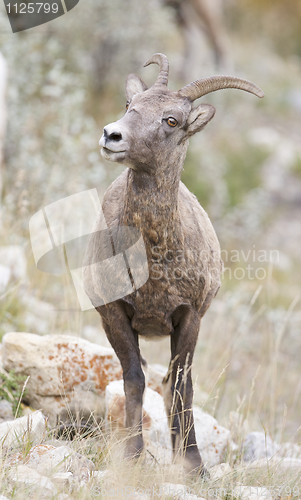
172	122
127	105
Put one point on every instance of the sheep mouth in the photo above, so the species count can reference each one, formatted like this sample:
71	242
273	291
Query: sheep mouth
111	155
109	151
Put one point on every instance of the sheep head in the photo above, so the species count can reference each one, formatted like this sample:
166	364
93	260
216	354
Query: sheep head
155	129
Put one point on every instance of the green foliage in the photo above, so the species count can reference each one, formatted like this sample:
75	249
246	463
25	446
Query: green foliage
11	388
297	167
241	173
11	313
196	180
243	170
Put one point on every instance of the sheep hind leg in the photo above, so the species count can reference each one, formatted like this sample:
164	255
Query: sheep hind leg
173	418
178	392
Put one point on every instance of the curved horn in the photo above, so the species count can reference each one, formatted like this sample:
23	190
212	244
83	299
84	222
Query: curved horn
206	85
162	60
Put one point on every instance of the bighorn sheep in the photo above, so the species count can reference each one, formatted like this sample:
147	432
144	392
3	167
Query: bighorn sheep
151	139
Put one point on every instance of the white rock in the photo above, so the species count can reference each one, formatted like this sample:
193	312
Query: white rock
258	445
13	256
32	427
155	375
156	453
62	365
212	439
62	479
251	493
220	471
154	407
6	410
49	460
154	415
25	477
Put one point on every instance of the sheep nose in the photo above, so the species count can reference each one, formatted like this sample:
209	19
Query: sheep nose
112	135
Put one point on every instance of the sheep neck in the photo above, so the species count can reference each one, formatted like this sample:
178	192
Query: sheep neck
152	205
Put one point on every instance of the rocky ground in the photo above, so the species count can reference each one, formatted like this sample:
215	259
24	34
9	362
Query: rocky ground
68	443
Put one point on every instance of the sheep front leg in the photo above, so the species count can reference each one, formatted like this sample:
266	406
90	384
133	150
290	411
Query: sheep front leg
125	343
178	390
134	385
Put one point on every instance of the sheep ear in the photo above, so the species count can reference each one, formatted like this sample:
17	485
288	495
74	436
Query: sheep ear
134	85
199	117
